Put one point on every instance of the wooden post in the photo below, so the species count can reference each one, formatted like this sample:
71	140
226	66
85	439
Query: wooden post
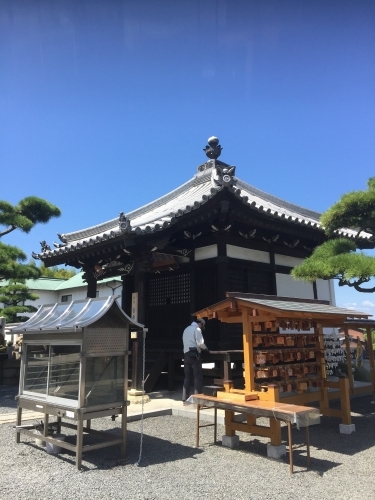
349	359
91	284
345	400
273	392
324	403
371	359
137	352
124	411
247	339
79	443
18	422
228	418
137	362
275	425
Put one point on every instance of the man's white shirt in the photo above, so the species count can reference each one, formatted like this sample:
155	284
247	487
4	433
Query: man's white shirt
192	337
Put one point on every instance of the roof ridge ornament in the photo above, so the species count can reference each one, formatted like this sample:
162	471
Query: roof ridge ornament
213	149
124	223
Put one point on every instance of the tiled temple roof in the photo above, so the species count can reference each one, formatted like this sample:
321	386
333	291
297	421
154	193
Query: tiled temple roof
164	211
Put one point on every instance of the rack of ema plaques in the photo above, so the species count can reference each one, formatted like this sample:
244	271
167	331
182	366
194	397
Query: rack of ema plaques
74	368
284	355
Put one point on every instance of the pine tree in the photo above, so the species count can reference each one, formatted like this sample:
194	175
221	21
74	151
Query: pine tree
340	258
24	216
14	296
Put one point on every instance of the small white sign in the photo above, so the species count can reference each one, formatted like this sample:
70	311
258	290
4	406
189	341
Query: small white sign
135	306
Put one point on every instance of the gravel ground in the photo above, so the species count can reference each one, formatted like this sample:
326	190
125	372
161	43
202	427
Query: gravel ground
342	465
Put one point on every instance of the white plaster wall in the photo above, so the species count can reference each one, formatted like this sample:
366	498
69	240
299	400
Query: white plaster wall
76	293
203	253
286	260
247	254
288	287
324	290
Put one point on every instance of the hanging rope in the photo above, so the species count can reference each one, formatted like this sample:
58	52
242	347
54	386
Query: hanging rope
143	393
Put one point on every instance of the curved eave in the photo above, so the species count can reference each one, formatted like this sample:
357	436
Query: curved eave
164	212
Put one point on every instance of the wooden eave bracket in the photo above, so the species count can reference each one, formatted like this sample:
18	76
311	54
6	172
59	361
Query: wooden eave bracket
229	316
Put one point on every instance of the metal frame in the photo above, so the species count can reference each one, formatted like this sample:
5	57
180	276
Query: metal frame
79	415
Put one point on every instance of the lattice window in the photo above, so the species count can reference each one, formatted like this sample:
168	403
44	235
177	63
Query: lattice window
171	289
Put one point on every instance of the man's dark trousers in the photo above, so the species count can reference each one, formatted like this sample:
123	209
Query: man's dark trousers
193	371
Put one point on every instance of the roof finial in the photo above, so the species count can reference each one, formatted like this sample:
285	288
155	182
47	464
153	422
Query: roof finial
213	150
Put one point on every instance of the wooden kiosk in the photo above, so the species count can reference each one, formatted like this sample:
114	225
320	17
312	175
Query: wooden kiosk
284	358
74	368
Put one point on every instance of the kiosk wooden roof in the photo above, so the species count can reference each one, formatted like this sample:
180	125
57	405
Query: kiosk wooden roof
261	308
289	313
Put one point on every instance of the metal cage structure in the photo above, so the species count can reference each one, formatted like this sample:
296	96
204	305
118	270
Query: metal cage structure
74	367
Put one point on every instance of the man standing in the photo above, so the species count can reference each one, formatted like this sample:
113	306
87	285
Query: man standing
193	344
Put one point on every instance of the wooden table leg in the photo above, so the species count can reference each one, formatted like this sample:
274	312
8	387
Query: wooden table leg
79	443
197	428
45	430
215	425
123	429
18	422
308	445
290	446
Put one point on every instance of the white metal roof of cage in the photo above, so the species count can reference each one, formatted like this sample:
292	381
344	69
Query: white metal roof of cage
71	315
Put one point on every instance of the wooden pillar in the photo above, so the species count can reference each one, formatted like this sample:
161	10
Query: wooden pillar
345	400
371	359
348	359
247	338
137	351
222	287
324	402
273	270
91	284
228	419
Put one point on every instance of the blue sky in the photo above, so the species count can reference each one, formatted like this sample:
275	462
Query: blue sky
107	104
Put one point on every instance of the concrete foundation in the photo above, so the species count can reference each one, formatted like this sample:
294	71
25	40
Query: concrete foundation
230	441
137	397
276	451
347	428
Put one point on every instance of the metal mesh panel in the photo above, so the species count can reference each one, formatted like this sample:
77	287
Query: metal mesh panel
105	340
173	289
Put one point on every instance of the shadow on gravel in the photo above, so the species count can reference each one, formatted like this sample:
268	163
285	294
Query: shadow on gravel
7	395
154	451
319	466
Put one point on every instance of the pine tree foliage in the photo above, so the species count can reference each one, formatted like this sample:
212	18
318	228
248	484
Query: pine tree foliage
24	216
339	258
354	210
11	266
13	296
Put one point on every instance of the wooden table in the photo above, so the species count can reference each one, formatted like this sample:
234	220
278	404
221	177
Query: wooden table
301	416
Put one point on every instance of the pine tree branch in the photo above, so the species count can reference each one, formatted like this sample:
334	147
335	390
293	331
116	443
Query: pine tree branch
7	231
365	290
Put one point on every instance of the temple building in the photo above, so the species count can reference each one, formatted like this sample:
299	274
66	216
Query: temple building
184	251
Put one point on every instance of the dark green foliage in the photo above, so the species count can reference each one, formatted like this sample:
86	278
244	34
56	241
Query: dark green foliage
11	266
13	296
355	210
26	214
338	257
